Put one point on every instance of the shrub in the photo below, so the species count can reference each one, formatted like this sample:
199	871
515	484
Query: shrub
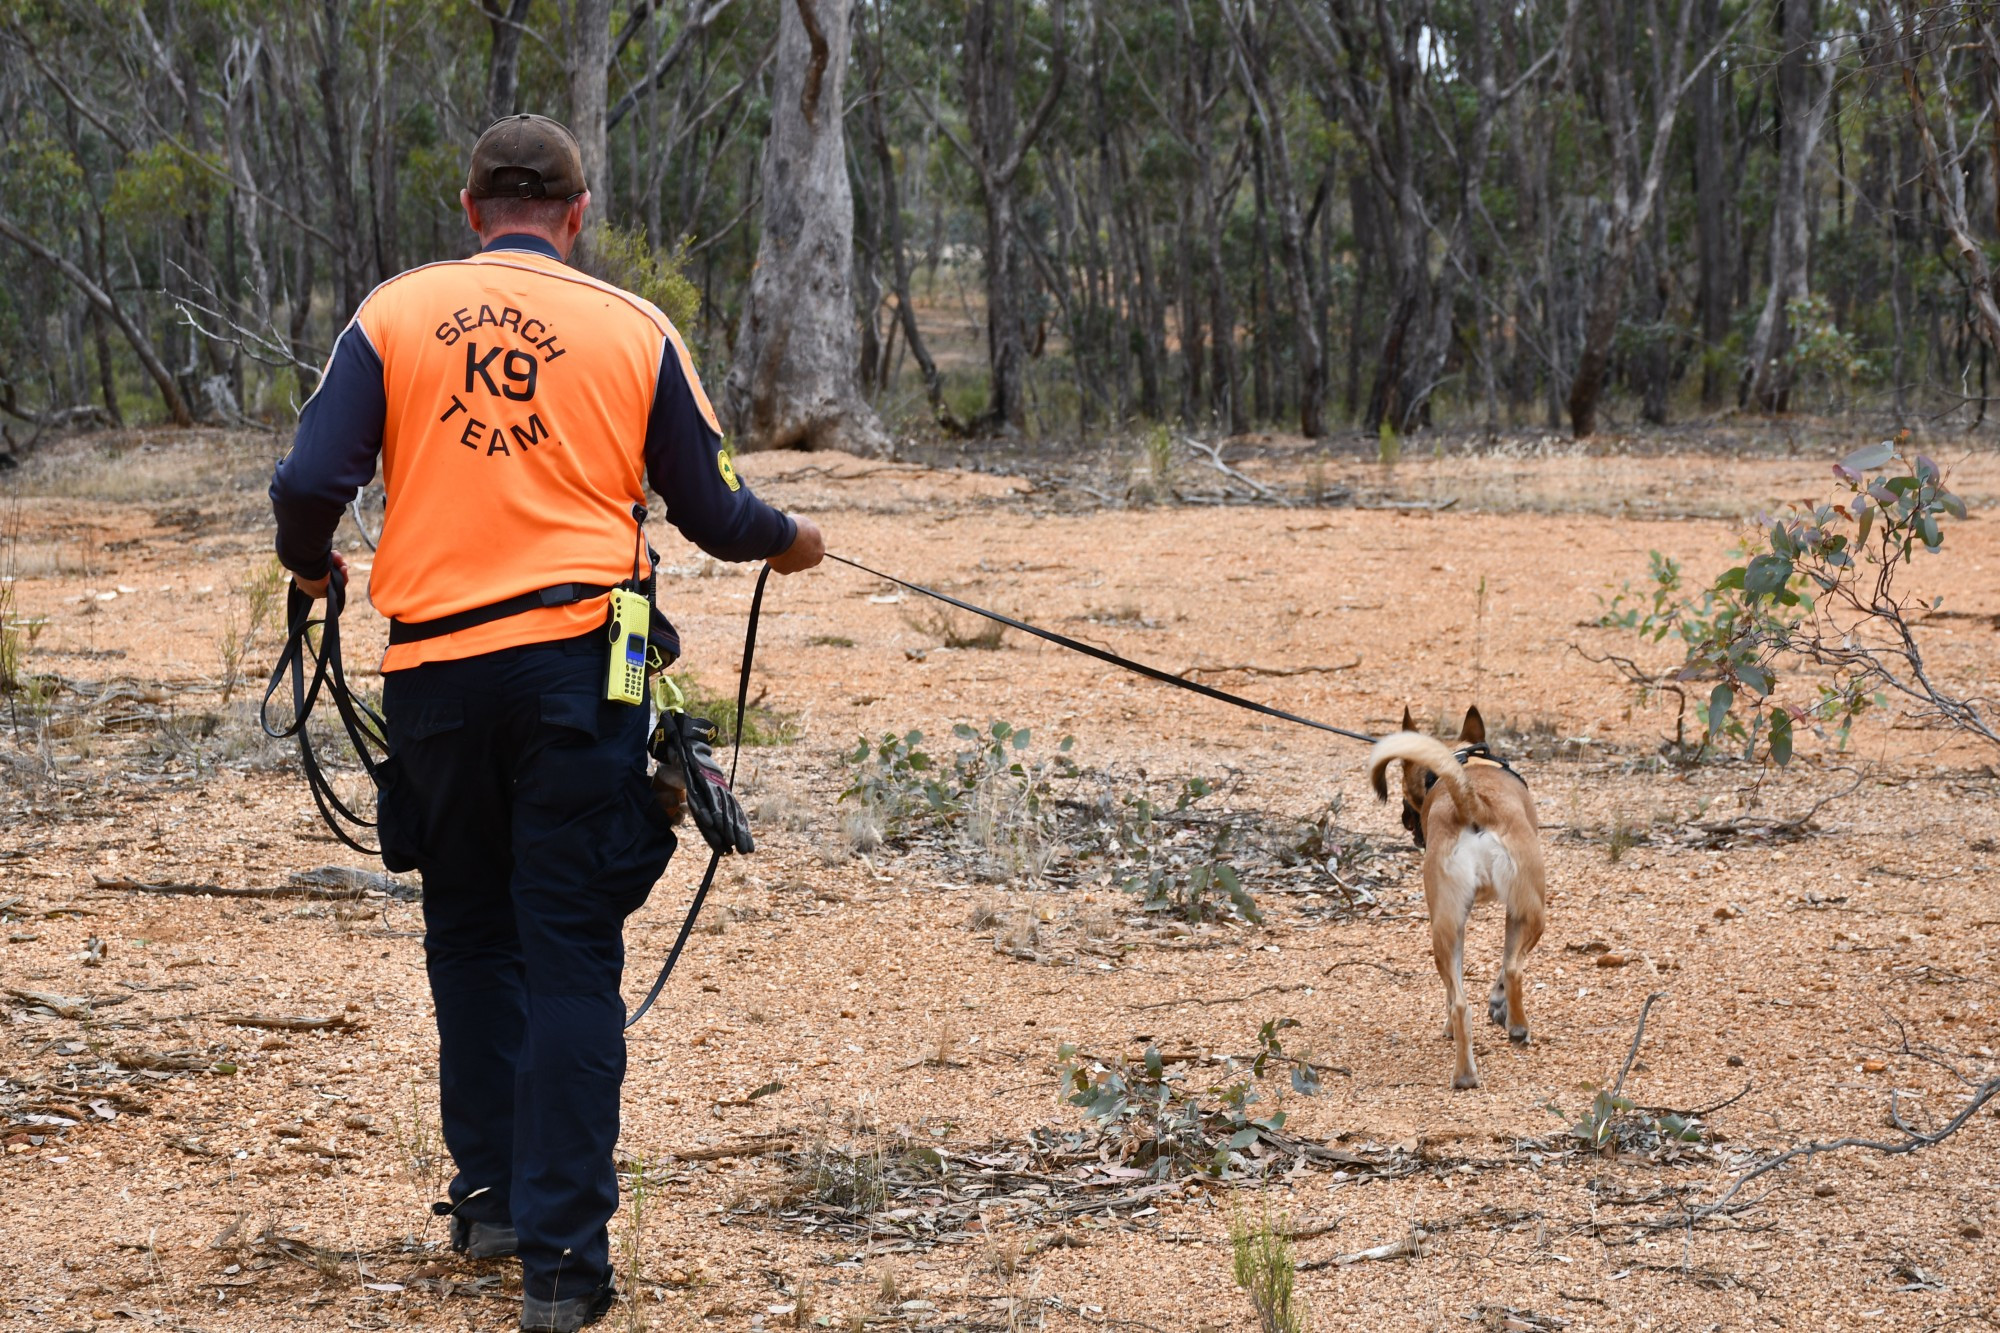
1821	587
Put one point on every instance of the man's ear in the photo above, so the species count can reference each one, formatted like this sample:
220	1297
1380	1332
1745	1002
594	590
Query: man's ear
1474	730
471	207
1409	723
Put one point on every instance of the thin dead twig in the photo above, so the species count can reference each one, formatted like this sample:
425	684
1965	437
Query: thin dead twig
1223	999
1698	1113
1249	670
1366	962
1638	1035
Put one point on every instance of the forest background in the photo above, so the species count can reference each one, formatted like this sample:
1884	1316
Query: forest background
1040	218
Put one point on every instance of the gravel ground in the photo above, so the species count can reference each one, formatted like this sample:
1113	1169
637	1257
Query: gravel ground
844	1111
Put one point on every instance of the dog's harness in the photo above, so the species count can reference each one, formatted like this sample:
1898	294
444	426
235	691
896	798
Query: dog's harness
1475	754
1413	818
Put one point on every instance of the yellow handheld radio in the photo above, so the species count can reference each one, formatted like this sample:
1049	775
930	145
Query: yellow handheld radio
631	619
630	625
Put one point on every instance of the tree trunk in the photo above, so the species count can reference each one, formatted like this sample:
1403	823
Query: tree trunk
503	57
899	253
1268	119
1802	102
1000	144
588	54
792	383
333	107
1711	194
1633	194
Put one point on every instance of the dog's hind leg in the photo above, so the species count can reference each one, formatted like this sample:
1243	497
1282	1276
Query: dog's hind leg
1524	930
1448	951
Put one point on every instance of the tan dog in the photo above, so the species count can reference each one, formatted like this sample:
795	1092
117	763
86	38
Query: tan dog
1472	816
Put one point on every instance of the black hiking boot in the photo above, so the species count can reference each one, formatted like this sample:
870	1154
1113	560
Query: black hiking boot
566	1316
479	1240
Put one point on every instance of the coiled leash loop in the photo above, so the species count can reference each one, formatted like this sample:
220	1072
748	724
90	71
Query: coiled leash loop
366	731
716	848
1105	655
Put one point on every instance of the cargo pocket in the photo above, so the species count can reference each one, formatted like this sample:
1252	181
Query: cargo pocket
396	825
632	876
400	823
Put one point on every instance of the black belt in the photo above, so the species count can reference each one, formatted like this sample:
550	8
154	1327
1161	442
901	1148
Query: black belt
562	594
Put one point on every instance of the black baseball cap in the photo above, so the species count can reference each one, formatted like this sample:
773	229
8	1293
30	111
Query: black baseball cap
526	157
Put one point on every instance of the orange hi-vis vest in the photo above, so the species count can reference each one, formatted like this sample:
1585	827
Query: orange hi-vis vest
517	394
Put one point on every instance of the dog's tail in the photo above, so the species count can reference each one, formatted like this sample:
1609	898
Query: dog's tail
1431	754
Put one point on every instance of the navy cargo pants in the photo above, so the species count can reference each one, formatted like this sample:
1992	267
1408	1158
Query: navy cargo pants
520	793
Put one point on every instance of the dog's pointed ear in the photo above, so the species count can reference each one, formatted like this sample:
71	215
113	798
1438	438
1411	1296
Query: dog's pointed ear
1474	730
1409	723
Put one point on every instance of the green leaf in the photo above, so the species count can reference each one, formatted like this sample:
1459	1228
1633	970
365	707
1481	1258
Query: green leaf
1719	704
1767	575
1781	737
1154	1064
1869	456
1730	579
1243	1138
1021	739
1927	528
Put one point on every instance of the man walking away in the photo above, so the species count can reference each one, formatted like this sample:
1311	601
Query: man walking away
517	408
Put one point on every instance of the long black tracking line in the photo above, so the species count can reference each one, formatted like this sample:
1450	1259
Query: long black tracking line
1105	655
735	752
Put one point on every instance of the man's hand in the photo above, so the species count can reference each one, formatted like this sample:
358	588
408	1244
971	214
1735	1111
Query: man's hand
316	588
808	548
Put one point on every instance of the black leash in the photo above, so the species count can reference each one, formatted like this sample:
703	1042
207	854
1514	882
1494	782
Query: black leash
369	733
1105	655
735	752
366	731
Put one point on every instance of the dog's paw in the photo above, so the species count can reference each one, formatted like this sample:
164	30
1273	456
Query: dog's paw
1469	1079
1519	1036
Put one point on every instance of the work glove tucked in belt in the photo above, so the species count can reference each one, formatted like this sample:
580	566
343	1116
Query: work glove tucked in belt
688	778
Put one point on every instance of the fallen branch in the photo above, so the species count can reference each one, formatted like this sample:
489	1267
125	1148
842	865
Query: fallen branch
294	890
1214	453
66	1006
1911	1141
1410	1246
745	1148
1409	506
1248	670
288	1023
